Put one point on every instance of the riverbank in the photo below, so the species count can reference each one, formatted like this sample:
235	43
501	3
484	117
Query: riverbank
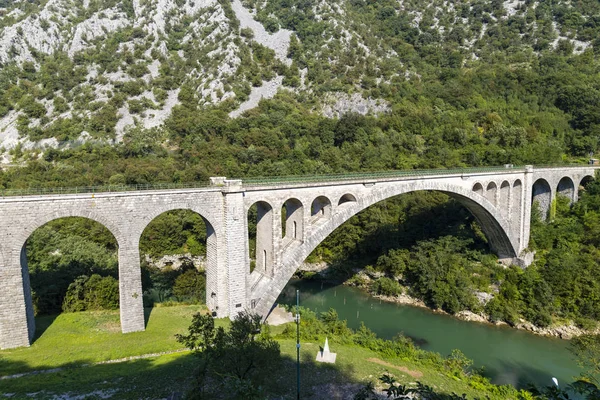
565	332
362	281
508	356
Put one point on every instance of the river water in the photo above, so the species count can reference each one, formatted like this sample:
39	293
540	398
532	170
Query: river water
508	356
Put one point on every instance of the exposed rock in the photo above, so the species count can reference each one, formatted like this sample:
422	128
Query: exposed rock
338	104
560	331
279	316
69	26
402	299
175	261
313	267
483	297
471	316
267	91
99	25
278	41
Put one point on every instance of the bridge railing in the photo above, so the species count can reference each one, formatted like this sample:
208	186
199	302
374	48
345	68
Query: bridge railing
416	173
266	181
101	189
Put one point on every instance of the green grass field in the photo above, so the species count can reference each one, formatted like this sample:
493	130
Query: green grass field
74	341
90	337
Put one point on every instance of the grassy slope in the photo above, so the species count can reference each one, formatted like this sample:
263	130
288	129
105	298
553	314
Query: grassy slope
82	338
91	337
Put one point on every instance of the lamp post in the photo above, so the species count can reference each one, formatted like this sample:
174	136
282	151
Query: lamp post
298	343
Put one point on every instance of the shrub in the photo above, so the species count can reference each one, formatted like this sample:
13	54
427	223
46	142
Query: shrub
190	286
386	287
92	293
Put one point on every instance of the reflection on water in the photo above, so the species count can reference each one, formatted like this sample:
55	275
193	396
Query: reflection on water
508	356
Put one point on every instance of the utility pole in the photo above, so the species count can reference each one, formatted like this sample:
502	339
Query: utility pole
298	341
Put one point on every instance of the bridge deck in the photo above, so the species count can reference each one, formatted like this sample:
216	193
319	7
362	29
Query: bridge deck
289	181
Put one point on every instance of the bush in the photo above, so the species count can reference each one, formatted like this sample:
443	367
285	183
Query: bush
386	287
92	293
190	286
586	323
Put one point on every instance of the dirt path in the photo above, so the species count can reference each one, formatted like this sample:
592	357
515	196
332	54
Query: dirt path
115	361
414	374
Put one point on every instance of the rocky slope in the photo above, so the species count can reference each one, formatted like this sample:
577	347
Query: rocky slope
94	69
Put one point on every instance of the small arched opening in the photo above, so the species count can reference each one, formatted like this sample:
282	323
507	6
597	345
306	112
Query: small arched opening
566	188
585	181
320	209
292	221
347	198
516	207
504	198
478	188
490	192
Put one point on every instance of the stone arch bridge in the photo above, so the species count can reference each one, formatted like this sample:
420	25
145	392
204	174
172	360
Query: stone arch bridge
293	216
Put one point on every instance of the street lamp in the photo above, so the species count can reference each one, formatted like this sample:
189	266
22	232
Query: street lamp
298	342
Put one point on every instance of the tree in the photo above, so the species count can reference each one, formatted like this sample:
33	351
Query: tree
234	358
587	350
190	286
92	293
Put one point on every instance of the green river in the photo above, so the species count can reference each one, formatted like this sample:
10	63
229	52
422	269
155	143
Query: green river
509	356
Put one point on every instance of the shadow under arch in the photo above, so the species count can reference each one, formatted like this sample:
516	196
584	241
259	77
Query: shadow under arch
18	254
211	243
493	224
566	188
320	208
292	221
584	182
542	194
346	198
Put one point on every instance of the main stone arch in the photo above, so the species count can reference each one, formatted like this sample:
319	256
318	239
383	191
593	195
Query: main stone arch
494	225
16	307
66	212
214	283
